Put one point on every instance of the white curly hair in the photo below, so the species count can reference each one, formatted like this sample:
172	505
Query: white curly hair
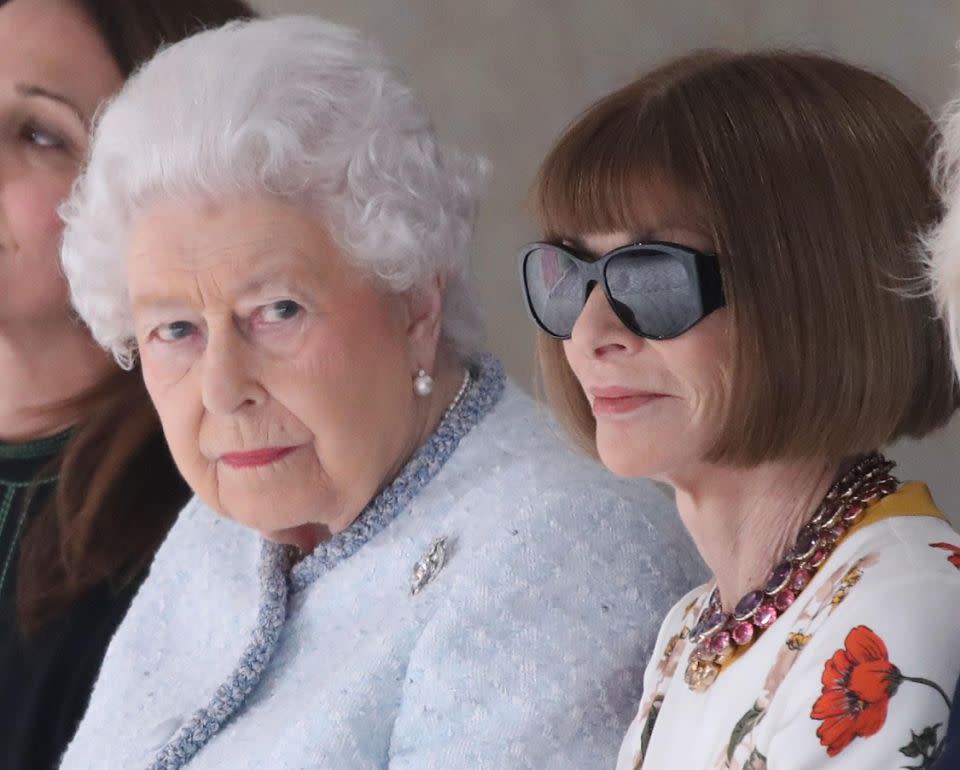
296	108
943	241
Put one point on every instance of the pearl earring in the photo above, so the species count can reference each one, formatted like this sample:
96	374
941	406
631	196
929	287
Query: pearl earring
423	384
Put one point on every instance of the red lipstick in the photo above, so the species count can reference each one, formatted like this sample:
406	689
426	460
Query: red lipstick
256	457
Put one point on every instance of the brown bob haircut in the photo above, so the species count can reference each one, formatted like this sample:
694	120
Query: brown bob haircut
811	176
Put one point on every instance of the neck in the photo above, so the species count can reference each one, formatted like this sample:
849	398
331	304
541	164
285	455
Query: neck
44	368
743	521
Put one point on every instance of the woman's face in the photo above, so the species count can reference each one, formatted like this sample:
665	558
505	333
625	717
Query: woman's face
54	72
657	403
282	374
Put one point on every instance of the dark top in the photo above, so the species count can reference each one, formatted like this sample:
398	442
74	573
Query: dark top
45	680
950	759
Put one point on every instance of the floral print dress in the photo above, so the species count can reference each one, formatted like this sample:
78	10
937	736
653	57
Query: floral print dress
859	672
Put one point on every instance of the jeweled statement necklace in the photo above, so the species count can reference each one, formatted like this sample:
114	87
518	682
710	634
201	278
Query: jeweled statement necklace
718	635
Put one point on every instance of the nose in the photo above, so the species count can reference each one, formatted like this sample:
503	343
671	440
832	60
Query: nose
598	332
229	376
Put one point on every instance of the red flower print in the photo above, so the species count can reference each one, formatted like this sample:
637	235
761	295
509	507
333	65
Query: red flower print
858	681
954	559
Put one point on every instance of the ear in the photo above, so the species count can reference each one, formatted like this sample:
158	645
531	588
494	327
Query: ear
424	321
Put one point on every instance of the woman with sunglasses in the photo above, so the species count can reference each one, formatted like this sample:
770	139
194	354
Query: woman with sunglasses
717	294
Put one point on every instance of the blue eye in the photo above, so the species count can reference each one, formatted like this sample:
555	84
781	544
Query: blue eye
172	332
283	310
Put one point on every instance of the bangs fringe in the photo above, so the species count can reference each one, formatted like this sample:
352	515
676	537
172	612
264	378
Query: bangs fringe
637	141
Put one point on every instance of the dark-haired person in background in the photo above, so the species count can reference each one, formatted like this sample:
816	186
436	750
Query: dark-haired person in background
87	487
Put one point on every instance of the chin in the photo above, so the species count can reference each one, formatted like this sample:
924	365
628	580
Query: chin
629	459
626	466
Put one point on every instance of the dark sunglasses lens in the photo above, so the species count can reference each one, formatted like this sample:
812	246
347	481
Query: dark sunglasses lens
654	293
555	289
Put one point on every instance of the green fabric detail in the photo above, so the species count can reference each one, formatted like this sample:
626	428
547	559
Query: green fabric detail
5	510
8	559
20	466
31	450
38	482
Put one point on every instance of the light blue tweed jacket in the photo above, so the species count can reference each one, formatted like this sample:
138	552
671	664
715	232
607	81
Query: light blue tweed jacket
526	650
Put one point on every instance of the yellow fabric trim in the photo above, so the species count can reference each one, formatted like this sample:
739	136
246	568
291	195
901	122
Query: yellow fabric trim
912	499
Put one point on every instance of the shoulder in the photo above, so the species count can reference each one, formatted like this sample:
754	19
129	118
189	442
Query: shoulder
901	564
533	463
553	593
202	581
901	575
203	559
200	540
558	517
880	649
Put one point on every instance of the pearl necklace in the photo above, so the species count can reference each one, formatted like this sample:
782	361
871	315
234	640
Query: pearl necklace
464	386
295	554
718	635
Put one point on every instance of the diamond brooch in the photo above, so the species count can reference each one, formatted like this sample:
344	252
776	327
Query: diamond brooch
429	565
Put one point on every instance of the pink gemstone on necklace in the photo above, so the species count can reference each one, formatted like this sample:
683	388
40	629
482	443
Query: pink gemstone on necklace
819	557
784	599
853	512
800	579
743	633
719	642
765	616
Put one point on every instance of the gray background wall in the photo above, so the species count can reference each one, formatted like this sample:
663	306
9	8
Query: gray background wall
502	77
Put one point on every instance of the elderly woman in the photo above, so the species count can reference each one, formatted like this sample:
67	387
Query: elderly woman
943	242
391	562
716	290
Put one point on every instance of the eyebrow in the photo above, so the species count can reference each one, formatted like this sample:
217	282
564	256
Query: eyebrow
159	302
31	91
282	284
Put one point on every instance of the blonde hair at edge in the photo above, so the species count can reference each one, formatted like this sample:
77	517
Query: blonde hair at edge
943	241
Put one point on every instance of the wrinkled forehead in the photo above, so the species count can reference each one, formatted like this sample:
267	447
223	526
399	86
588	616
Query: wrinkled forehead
236	247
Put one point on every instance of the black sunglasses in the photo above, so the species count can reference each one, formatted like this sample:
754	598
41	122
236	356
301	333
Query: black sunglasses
658	290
